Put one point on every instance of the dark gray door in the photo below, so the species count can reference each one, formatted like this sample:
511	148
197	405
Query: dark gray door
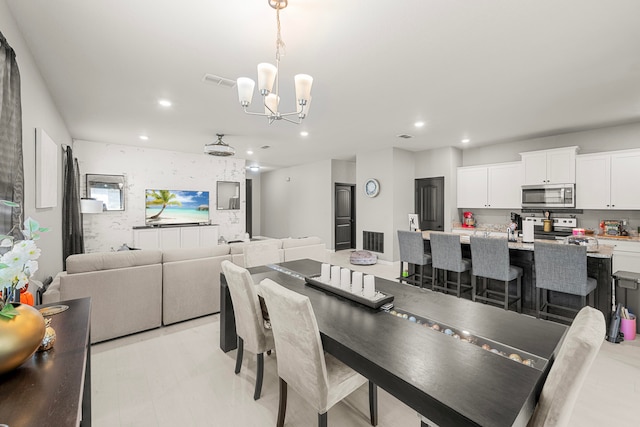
345	217
430	203
249	206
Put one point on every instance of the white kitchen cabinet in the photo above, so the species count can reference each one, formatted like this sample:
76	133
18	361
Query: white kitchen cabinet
491	186
625	179
626	257
555	166
593	181
164	238
608	180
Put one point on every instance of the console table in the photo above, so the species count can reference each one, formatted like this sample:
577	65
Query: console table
53	388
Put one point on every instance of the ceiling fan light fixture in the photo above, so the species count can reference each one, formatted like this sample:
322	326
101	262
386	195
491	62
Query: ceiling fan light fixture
219	148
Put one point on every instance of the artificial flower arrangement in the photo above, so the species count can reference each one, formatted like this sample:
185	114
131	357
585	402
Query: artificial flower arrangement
18	263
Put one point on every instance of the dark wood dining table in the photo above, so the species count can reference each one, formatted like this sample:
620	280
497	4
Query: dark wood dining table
449	381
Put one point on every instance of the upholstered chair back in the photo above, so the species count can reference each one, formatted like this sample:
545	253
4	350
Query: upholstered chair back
411	245
561	268
490	257
301	359
249	321
261	254
446	251
579	349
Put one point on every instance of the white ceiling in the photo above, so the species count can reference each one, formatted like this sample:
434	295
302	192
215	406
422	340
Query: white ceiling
490	70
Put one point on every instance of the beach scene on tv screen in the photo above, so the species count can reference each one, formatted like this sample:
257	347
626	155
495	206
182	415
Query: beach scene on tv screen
176	207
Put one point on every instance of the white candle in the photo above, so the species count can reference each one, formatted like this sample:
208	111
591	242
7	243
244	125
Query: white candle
369	286
325	273
345	279
356	283
335	275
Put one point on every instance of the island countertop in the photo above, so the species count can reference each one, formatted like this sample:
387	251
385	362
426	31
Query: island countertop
604	251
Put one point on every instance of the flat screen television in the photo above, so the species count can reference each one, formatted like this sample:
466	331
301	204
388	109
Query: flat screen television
171	207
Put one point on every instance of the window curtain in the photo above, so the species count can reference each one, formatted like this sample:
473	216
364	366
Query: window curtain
11	166
73	238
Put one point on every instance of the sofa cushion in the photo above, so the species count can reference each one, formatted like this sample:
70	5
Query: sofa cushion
82	263
173	255
238	248
303	241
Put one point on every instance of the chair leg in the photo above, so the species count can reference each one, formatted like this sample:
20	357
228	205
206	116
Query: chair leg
458	284
538	290
519	294
239	355
322	420
433	278
282	405
506	295
373	403
420	274
401	271
473	287
259	375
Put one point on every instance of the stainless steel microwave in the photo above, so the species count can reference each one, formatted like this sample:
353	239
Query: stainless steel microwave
549	196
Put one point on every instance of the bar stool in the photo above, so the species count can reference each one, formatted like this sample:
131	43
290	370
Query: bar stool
411	246
561	268
446	255
491	261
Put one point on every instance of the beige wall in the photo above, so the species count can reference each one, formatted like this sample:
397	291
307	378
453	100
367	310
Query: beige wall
296	201
38	111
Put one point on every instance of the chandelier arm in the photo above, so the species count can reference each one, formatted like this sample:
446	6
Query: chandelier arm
296	122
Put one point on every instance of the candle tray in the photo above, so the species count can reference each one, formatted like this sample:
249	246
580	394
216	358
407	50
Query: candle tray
376	302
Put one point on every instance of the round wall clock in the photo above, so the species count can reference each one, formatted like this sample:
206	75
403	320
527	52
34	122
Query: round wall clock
371	187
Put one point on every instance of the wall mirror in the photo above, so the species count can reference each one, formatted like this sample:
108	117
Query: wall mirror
228	195
107	188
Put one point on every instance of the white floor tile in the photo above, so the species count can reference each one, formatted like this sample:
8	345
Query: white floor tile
178	376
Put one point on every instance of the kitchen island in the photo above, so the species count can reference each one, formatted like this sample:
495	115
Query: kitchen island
599	266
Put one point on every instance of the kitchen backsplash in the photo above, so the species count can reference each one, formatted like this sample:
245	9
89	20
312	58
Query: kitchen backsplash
499	219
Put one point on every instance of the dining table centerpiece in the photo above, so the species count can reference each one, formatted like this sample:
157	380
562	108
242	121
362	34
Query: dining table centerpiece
22	327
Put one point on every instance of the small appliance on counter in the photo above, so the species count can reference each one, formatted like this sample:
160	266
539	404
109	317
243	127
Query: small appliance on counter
612	227
528	226
468	220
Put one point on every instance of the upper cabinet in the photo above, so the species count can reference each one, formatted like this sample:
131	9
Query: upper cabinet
556	166
491	186
608	180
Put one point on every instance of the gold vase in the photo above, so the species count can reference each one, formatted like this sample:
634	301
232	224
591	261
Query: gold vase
20	337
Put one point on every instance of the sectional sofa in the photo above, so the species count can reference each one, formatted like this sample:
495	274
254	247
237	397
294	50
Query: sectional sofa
132	291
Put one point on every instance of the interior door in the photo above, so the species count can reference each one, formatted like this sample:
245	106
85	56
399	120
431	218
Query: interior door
249	207
345	232
429	198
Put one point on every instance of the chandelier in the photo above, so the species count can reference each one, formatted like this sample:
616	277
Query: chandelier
268	77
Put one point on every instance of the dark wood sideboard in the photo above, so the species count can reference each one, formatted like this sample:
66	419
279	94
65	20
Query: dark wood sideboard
53	388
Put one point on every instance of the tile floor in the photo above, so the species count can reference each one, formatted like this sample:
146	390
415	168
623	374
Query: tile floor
178	376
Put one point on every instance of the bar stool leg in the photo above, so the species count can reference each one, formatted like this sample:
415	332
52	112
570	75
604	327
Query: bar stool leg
473	288
519	294
458	284
506	295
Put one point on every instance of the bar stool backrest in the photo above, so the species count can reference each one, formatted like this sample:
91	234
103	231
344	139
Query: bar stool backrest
561	268
490	257
446	251
411	246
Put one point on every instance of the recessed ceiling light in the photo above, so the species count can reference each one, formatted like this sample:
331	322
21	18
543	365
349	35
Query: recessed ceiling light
164	102
304	133
249	152
466	141
418	124
144	137
254	168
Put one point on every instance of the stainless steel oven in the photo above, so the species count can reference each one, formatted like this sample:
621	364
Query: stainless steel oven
549	196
